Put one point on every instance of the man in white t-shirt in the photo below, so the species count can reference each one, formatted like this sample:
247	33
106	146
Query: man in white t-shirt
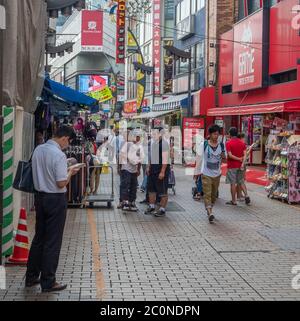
131	158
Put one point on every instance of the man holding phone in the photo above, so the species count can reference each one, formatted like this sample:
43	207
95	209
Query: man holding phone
51	175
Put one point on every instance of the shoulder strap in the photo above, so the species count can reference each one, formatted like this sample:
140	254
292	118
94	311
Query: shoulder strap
205	145
222	147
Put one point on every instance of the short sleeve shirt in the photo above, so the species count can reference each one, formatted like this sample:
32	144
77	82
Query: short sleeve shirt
49	166
156	159
237	148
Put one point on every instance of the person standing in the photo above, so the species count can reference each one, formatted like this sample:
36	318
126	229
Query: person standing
236	155
131	157
158	172
211	154
50	177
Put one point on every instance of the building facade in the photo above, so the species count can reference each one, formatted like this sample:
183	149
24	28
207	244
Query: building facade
93	57
259	71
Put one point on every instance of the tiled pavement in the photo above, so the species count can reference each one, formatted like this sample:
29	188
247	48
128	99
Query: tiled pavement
247	254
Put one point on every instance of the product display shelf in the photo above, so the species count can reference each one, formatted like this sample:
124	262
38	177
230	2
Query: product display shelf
277	166
283	167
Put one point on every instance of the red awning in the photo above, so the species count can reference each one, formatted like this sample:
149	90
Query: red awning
291	106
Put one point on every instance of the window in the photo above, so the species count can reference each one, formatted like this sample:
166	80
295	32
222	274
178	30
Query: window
201	4
283	77
185	9
178	10
227	89
253	5
194	6
148	26
242	12
200	54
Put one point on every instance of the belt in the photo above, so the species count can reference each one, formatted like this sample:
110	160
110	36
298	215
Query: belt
50	194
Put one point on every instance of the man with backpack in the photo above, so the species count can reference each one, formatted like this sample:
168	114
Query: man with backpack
211	153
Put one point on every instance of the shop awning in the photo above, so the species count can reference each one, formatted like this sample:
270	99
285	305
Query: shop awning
291	106
171	103
68	94
154	114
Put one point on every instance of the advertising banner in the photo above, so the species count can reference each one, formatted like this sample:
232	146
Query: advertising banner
133	47
88	83
248	53
192	127
92	31
120	39
157	46
102	95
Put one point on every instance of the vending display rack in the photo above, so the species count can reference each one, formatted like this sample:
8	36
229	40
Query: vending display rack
283	155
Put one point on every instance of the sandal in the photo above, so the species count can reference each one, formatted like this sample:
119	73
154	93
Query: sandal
231	203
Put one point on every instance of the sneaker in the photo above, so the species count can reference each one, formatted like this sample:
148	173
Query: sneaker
160	213
133	207
211	218
247	200
126	207
149	211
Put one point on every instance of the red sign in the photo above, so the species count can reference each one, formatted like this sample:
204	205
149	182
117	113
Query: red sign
92	30
248	53
130	107
120	39
192	127
156	46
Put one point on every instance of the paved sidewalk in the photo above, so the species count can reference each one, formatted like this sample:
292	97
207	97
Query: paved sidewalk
247	254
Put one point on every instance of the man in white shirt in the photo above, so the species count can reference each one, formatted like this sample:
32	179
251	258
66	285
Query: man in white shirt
51	177
131	158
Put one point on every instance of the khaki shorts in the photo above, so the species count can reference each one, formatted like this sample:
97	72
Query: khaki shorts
235	176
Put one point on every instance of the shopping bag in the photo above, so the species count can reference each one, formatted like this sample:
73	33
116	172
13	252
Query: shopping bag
23	180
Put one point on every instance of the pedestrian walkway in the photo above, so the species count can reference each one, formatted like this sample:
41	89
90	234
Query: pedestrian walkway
247	254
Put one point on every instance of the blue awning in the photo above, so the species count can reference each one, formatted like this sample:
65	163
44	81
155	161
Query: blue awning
68	94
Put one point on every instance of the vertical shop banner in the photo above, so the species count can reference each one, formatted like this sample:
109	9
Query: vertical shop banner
120	38
248	53
92	31
134	48
157	45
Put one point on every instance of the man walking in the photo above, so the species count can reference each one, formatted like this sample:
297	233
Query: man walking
237	153
158	172
211	153
50	177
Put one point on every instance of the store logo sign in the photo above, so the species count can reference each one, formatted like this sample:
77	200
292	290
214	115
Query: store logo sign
246	58
92	25
2	278
296	279
296	19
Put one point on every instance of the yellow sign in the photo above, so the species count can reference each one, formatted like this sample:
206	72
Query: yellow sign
102	95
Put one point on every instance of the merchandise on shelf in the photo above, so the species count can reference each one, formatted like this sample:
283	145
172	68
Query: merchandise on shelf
283	162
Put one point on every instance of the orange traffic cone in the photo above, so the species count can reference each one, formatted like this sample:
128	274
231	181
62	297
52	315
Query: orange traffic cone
21	248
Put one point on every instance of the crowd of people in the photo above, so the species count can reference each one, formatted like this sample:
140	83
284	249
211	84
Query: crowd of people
133	152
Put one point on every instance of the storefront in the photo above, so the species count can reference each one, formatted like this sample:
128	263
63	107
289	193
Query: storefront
259	81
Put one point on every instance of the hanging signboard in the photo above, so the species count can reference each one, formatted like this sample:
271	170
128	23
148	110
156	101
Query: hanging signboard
92	31
156	45
120	39
102	95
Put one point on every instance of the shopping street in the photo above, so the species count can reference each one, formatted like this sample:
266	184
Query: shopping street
247	254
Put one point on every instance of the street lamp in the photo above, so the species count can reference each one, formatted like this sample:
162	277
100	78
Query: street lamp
184	56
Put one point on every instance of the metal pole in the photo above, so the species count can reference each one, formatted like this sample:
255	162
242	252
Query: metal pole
1	140
189	85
